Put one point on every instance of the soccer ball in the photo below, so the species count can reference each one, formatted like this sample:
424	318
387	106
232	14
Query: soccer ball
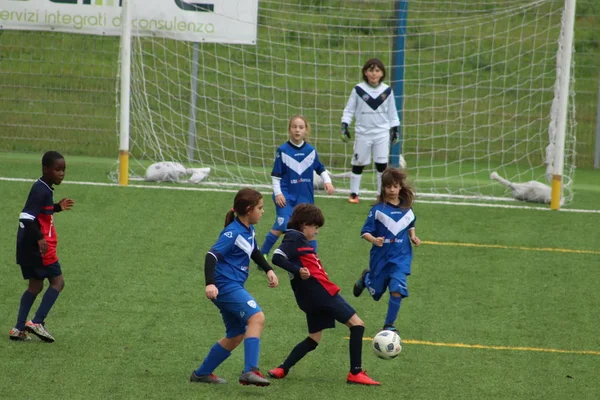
387	345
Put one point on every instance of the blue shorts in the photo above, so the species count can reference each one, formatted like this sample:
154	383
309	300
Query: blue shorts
391	277
40	273
323	314
283	215
236	309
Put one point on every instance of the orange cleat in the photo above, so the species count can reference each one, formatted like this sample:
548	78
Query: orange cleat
277	373
361	379
353	199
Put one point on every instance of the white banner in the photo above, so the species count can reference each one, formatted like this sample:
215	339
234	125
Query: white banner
217	21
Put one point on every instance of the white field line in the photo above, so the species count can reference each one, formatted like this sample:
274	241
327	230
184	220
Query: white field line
220	187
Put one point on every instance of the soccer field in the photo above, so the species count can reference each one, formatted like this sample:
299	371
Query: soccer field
503	301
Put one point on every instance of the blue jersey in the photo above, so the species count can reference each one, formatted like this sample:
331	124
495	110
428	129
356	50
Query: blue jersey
295	166
392	223
232	251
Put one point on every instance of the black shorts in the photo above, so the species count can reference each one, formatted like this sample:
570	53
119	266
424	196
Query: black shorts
40	273
323	314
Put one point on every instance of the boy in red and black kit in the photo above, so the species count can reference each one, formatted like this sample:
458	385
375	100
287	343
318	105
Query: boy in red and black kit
36	248
315	294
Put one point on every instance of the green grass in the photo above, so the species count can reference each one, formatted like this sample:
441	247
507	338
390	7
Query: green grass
133	322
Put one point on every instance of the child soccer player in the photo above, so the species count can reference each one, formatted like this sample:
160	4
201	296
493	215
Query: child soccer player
36	248
292	177
226	271
390	227
315	294
373	105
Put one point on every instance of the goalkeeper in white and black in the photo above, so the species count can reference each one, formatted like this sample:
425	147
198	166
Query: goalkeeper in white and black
373	107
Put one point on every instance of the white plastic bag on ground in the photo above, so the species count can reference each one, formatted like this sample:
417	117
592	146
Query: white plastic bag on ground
169	171
533	191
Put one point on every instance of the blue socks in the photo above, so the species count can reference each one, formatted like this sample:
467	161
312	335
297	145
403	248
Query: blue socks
218	354
251	353
393	308
215	357
47	302
26	302
268	244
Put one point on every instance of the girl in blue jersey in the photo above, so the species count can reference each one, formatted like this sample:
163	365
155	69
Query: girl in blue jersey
292	177
226	270
36	248
390	227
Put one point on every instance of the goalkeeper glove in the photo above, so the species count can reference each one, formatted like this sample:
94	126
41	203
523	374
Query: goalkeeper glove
394	135
345	134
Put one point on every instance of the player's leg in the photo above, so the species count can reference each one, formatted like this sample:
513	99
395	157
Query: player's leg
280	225
360	158
381	153
34	288
217	354
398	290
54	275
252	317
251	374
57	284
356	375
221	350
359	285
315	321
375	282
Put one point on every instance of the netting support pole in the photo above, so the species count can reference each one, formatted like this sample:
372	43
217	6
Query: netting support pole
565	83
597	147
193	100
125	83
401	16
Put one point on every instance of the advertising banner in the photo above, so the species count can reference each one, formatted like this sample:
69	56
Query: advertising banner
216	21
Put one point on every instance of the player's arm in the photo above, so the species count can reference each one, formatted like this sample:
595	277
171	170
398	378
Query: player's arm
280	259
28	219
347	116
63	205
210	263
258	257
393	119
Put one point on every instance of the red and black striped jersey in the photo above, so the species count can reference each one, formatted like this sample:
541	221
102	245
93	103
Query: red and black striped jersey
36	221
299	252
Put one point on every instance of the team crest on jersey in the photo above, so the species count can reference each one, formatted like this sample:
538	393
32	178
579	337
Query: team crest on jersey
228	234
383	96
252	303
366	97
280	220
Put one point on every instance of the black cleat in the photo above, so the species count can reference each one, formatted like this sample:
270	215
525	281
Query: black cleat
359	286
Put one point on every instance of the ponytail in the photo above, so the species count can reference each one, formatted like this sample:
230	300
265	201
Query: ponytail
245	200
229	217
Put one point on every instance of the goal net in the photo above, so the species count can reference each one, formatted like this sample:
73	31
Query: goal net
477	84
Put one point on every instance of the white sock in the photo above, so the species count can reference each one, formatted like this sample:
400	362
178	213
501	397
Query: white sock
379	182
355	183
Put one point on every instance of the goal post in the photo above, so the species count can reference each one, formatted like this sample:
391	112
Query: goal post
125	86
565	51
